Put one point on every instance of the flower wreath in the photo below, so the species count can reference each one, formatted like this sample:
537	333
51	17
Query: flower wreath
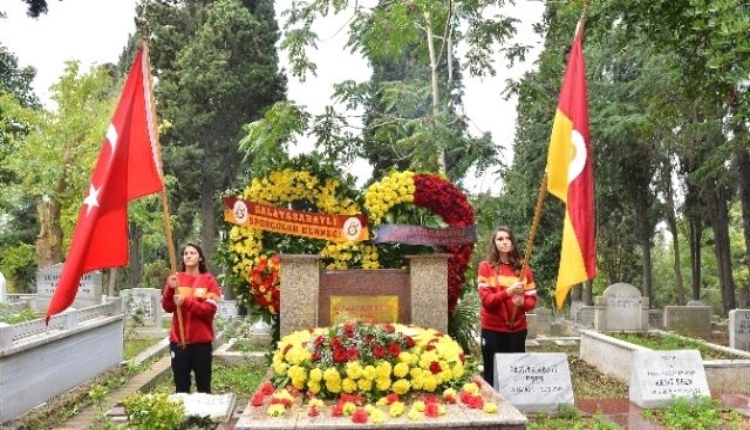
251	248
436	194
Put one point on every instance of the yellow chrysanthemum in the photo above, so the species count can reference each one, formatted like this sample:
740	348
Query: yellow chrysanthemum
401	387
397	409
400	370
349	385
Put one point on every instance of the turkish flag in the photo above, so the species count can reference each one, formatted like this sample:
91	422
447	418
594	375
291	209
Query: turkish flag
127	168
571	176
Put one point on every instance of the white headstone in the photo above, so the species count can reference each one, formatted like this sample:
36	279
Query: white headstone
739	329
146	302
218	407
3	289
658	377
89	287
535	382
228	308
623	307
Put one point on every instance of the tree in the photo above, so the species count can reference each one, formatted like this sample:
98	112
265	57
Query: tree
53	161
708	36
416	117
217	69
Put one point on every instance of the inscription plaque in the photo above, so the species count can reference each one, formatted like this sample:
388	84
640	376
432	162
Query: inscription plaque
367	309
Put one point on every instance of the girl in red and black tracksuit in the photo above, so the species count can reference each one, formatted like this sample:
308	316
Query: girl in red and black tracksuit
506	295
193	297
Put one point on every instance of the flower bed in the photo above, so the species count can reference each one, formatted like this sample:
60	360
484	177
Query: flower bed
376	374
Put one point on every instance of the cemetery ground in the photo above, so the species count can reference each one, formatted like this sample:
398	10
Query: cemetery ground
601	401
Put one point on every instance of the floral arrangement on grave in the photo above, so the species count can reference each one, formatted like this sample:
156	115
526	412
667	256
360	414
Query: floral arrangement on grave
421	199
306	183
369	372
264	282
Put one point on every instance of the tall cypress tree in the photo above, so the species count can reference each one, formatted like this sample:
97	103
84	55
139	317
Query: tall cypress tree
217	69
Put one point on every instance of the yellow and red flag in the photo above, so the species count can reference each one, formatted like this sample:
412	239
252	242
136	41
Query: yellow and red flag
570	176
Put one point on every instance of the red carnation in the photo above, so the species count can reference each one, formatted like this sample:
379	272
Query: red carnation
313	412
378	351
267	388
340	355
359	416
394	349
257	399
435	367
409	341
389	328
431	410
352	353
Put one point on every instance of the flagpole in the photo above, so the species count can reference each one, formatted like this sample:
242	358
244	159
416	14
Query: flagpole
163	192
532	235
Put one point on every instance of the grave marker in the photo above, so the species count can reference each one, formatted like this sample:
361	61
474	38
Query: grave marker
89	287
535	382
621	308
739	329
217	407
146	301
228	308
658	377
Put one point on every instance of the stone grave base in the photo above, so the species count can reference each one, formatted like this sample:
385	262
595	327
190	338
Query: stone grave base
457	417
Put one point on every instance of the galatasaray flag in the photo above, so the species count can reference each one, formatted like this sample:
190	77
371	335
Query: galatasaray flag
127	168
570	176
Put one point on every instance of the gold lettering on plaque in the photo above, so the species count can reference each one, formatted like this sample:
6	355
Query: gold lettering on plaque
367	309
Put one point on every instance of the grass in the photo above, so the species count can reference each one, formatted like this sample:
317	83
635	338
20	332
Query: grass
244	346
670	342
697	414
133	347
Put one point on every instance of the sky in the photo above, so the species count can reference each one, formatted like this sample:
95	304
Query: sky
63	34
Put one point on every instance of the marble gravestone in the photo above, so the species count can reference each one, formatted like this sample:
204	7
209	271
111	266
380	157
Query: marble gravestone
216	407
621	308
534	382
739	329
3	289
89	287
658	377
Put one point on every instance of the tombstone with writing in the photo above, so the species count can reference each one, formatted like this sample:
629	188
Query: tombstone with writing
89	287
535	382
228	309
658	377
687	319
739	329
621	308
216	407
143	305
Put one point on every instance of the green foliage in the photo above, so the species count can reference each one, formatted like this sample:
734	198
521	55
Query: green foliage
9	317
153	412
699	413
16	80
239	380
217	70
671	342
18	263
463	323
